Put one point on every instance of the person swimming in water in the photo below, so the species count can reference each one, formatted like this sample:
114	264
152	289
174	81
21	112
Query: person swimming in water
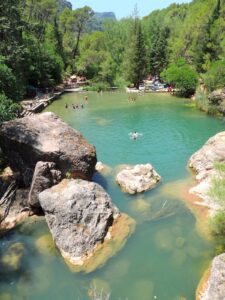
134	135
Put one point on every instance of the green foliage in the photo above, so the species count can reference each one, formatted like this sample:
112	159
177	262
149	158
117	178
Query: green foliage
217	190
217	225
97	87
182	76
41	41
135	63
8	109
8	82
215	76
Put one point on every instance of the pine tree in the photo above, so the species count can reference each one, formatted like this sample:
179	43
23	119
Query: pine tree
158	54
135	65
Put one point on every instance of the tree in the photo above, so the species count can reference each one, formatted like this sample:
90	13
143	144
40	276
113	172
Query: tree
135	62
182	76
158	54
215	76
8	109
8	83
72	25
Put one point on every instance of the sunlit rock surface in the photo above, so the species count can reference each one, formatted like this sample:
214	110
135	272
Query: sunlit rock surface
138	178
212	286
203	164
83	221
44	137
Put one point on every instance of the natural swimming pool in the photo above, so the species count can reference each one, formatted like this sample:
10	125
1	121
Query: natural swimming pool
165	256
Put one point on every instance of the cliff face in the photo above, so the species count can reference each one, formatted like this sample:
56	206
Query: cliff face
105	15
62	4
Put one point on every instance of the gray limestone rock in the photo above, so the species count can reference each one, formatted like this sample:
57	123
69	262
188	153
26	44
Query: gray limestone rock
44	137
202	161
137	179
215	286
45	176
79	214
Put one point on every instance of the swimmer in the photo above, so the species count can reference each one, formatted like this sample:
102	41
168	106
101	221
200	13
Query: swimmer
66	105
134	135
86	98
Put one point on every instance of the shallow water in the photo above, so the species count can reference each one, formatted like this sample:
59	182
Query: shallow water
165	256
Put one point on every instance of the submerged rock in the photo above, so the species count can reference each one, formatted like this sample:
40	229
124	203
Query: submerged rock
102	168
138	178
212	285
81	218
11	260
44	137
203	163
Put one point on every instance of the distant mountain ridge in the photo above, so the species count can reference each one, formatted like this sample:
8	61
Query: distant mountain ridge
62	4
97	21
105	15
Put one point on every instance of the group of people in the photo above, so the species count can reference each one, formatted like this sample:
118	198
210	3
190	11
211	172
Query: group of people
76	106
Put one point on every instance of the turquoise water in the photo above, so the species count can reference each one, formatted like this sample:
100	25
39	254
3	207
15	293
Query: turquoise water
165	257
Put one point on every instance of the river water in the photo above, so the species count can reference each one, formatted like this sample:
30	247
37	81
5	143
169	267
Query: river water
165	256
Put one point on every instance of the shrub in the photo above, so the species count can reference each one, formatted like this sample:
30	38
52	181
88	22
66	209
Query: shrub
217	224
8	109
182	77
215	77
100	86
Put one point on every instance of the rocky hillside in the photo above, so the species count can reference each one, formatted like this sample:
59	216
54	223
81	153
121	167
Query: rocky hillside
62	4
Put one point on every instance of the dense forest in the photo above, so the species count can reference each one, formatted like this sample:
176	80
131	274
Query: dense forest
43	41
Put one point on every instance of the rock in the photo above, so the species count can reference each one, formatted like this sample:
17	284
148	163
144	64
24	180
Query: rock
44	137
212	285
45	176
11	261
5	296
45	244
137	179
203	164
216	97
81	217
99	289
102	168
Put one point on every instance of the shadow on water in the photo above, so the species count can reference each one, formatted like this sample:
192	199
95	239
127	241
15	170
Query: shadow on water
100	179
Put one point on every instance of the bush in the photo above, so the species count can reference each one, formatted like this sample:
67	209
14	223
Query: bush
215	77
8	83
217	224
217	190
182	77
8	109
100	86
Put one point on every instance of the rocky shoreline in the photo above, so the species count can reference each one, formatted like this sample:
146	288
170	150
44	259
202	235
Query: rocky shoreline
52	167
203	163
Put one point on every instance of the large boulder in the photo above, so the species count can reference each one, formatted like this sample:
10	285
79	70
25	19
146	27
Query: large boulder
217	99
203	161
203	164
137	179
44	137
212	286
45	176
81	218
